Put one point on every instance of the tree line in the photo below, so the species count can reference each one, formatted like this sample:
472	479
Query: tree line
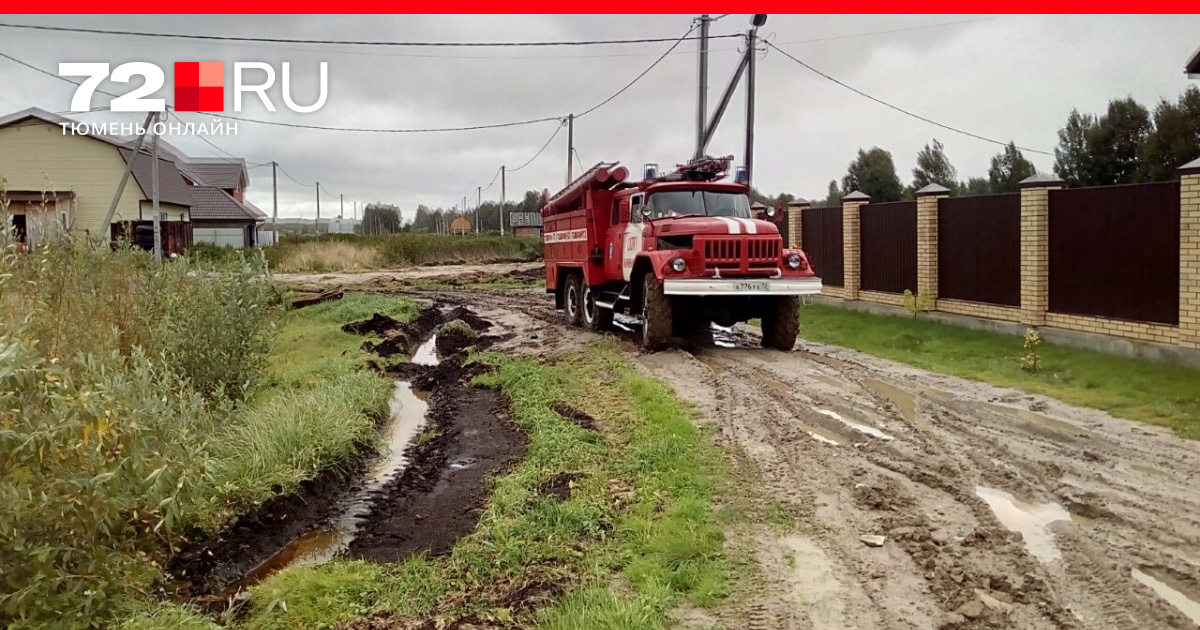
379	218
1127	144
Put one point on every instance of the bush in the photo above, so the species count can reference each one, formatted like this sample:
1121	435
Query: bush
114	375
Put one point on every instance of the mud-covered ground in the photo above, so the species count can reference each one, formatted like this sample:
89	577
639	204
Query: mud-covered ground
892	497
419	495
838	446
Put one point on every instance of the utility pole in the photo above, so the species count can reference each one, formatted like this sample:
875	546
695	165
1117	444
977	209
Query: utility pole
502	201
317	225
106	227
478	209
751	52
570	145
342	206
275	201
158	253
702	100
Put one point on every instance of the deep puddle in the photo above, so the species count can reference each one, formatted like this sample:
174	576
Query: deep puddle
1031	520
906	402
426	353
1165	587
857	426
407	410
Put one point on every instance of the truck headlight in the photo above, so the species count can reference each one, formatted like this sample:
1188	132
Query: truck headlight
678	265
793	260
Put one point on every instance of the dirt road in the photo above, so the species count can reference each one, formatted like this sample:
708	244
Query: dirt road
392	277
899	498
947	471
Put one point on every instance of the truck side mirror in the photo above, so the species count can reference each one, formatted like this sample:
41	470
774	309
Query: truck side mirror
647	212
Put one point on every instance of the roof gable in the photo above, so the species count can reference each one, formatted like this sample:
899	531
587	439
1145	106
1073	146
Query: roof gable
1193	65
214	204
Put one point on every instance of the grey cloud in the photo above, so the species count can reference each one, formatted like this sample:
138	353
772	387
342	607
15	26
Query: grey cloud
1013	77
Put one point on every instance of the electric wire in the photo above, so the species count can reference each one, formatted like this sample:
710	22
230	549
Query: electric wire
639	77
900	109
535	155
335	42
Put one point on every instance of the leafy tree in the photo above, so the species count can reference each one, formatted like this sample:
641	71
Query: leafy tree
933	168
1114	142
1073	160
1175	140
973	187
874	173
1008	168
381	218
834	196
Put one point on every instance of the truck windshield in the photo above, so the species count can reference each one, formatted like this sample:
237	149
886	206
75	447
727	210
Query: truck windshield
677	203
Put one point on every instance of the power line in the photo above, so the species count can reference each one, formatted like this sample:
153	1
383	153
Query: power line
644	72
494	178
289	176
535	155
518	123
334	42
900	109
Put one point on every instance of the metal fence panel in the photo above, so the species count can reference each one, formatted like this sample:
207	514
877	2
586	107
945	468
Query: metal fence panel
821	236
1114	252
888	238
979	249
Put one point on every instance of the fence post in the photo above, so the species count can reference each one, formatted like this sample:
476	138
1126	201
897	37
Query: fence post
851	239
1189	255
927	241
1035	246
795	211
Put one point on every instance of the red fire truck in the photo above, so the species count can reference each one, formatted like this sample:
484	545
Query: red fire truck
679	251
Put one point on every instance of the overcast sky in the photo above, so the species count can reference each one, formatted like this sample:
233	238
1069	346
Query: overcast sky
1008	78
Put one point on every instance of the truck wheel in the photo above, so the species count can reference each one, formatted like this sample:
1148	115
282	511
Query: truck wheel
656	314
574	299
781	323
594	317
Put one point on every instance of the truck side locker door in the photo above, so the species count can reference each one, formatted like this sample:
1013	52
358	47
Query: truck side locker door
615	238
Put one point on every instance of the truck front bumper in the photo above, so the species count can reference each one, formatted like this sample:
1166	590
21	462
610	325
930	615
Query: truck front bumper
737	286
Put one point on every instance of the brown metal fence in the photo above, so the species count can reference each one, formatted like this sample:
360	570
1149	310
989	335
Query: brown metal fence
888	237
979	249
1114	252
821	236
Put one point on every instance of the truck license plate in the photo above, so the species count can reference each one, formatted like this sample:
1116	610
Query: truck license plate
750	286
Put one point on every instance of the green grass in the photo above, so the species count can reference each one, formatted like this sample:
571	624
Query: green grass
459	326
637	536
314	410
1155	393
338	252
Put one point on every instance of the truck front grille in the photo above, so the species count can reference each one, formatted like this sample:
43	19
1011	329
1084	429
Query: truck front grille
741	253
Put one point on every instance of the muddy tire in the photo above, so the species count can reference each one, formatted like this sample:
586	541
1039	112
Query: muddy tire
595	318
573	299
657	318
781	323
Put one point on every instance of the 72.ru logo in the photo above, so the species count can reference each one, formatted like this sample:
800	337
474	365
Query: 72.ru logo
199	86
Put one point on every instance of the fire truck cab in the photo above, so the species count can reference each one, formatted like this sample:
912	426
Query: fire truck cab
678	252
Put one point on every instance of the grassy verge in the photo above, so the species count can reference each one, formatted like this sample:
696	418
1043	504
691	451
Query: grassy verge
315	408
1156	393
346	252
637	535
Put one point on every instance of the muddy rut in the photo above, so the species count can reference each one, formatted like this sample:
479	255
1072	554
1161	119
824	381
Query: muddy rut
919	500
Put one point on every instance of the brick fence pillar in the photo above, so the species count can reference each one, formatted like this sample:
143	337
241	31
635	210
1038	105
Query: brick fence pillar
927	241
1189	255
1035	247
851	252
795	214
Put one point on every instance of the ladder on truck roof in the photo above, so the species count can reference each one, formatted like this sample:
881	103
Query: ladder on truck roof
586	174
